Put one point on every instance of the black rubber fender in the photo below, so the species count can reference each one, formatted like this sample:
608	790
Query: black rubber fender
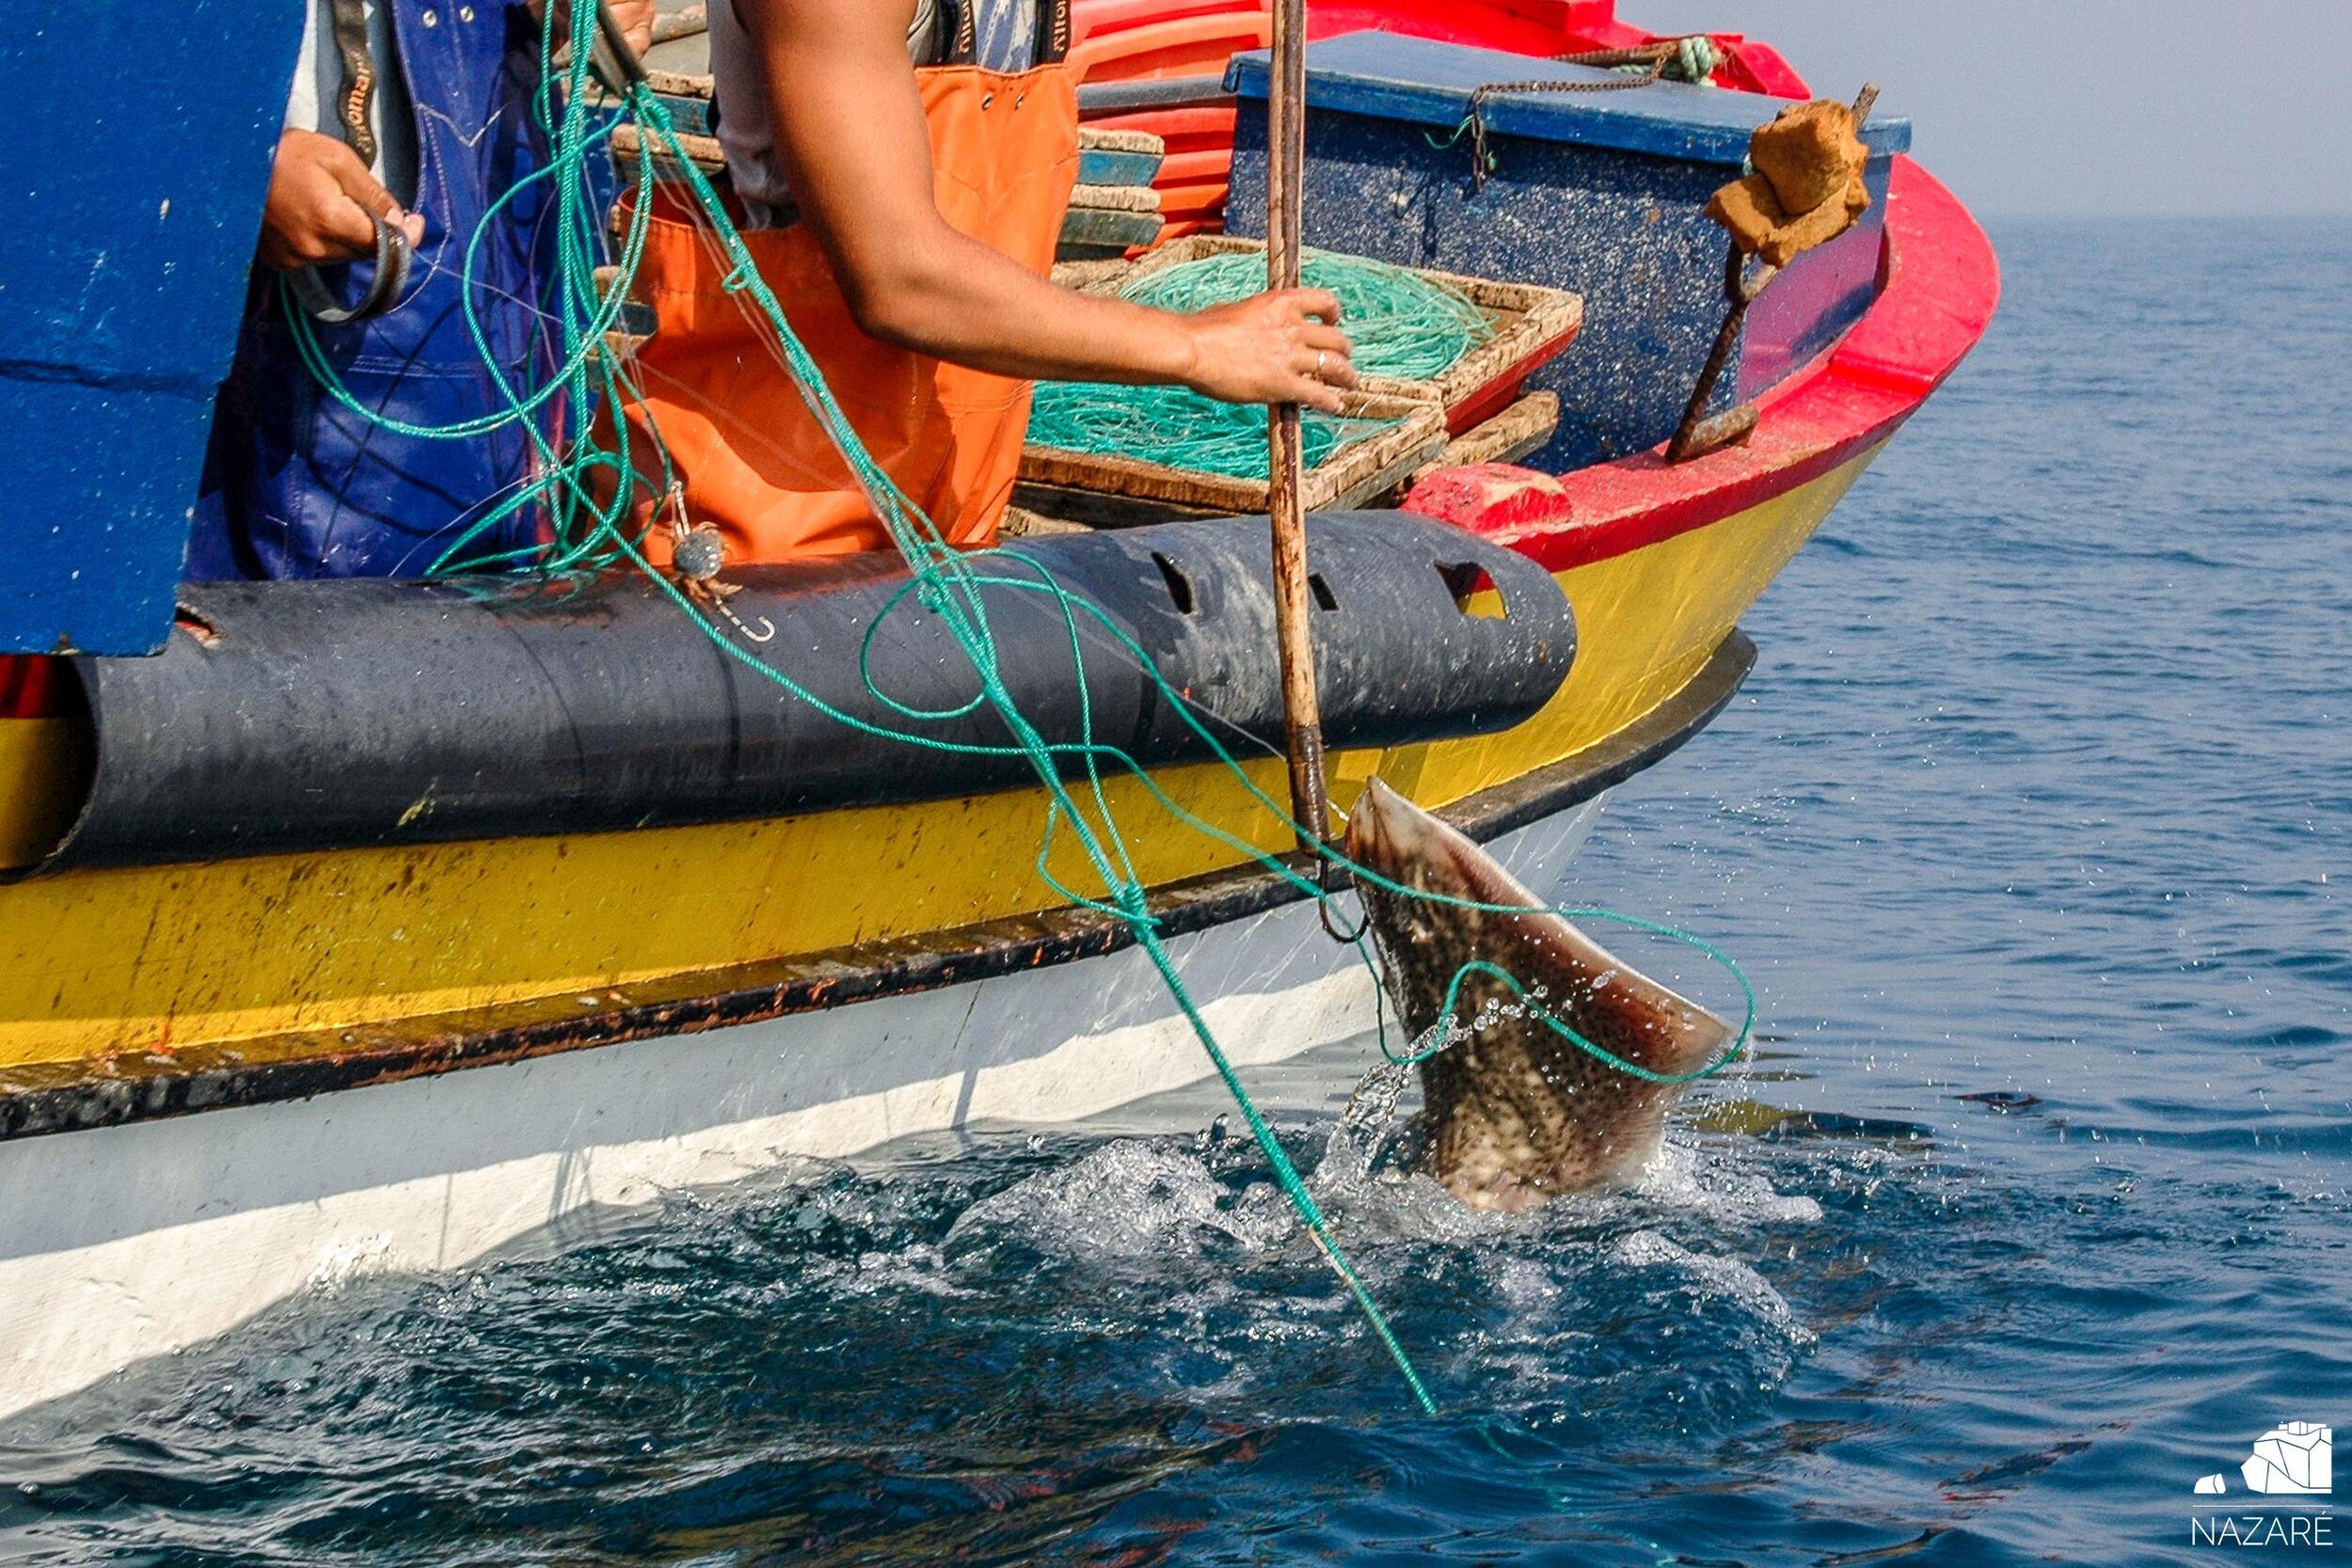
304	716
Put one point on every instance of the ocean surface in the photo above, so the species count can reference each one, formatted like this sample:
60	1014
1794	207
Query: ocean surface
2034	828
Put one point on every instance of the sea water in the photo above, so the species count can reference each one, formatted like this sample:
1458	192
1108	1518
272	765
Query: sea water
2034	827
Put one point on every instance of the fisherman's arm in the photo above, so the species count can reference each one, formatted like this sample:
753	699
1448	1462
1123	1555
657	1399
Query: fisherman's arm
851	134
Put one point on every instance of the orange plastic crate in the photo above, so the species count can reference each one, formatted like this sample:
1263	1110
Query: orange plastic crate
1188	46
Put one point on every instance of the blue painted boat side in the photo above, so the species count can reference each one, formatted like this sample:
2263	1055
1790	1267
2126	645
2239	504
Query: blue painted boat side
126	227
1427	82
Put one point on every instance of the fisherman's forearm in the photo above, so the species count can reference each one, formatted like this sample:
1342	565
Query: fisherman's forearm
960	300
956	299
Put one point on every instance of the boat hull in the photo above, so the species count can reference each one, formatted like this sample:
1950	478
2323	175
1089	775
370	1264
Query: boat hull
128	1242
300	956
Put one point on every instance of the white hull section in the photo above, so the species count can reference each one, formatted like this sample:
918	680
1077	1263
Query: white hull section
130	1242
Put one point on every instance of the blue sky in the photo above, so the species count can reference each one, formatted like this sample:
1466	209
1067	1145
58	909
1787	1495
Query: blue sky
2091	106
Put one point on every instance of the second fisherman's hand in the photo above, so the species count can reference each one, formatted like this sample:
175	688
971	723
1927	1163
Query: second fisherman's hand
633	17
1283	346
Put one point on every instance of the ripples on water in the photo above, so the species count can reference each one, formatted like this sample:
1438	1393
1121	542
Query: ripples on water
2039	794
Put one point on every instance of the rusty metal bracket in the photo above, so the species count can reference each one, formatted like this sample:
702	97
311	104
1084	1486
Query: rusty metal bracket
1698	433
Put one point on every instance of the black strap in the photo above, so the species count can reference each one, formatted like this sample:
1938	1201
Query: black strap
1053	32
391	277
959	31
358	91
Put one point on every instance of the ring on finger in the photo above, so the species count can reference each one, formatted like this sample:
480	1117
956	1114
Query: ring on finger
1320	356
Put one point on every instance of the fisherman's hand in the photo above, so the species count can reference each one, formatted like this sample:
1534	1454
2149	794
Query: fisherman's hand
1280	347
633	17
635	20
323	205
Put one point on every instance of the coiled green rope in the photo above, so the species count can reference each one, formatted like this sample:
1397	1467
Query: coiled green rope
1177	426
1401	324
591	494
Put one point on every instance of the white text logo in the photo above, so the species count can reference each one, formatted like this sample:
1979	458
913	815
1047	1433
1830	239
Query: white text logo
2289	1461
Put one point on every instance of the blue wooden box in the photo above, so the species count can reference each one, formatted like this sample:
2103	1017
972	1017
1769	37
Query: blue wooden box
1602	193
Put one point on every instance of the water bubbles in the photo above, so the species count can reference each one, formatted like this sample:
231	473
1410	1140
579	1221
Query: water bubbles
1124	1199
1707	1282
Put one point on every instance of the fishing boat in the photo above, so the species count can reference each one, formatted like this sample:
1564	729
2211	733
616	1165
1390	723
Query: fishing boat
313	964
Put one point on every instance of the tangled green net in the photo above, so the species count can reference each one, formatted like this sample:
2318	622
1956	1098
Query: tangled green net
1402	324
1176	426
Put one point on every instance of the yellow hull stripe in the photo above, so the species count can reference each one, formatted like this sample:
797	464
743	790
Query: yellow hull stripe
151	959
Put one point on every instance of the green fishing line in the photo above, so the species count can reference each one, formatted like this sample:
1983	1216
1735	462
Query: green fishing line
589	494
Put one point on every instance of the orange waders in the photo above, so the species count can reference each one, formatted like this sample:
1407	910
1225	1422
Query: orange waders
754	462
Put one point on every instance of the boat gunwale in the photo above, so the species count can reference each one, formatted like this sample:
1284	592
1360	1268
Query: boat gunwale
126	1088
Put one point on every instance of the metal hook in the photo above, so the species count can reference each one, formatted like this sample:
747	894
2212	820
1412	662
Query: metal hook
1323	913
737	621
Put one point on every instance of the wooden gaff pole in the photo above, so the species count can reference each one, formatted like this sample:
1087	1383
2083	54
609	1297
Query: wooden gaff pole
1286	145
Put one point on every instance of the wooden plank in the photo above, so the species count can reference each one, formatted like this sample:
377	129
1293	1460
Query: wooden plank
1115	198
704	150
1104	139
692	116
1020	522
1083	275
1101	166
678	84
1106	231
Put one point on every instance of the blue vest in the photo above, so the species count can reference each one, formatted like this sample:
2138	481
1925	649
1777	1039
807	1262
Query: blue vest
298	486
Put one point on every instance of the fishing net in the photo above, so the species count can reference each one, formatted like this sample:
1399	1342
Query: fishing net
1401	324
1177	427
